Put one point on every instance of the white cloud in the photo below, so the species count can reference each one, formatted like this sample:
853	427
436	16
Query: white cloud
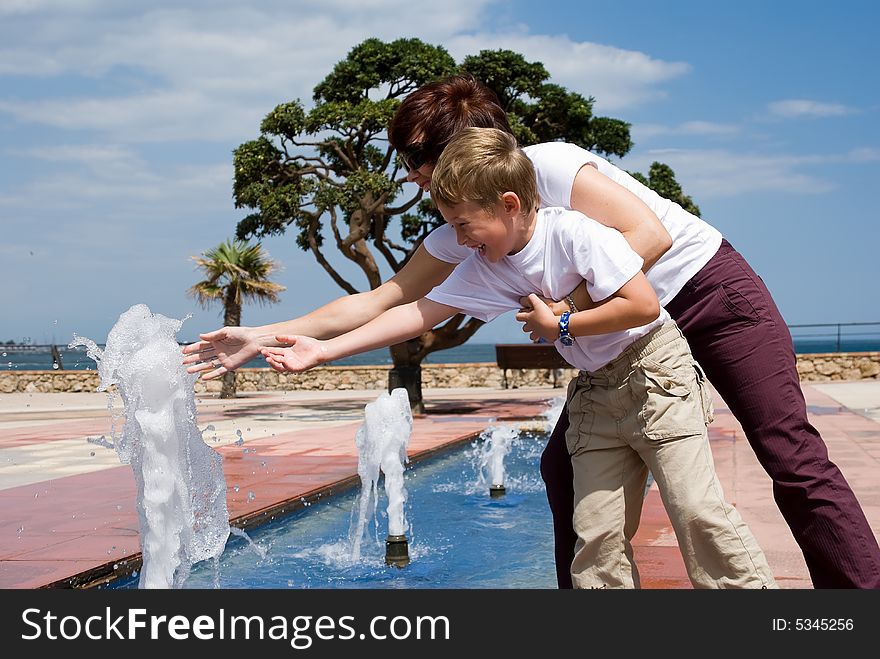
119	183
717	173
172	73
807	108
615	77
12	7
688	128
159	116
114	156
252	45
707	128
863	154
165	73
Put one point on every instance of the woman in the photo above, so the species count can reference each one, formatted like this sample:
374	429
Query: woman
723	308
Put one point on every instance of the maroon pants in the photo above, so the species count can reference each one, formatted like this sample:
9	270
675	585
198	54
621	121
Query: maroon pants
739	338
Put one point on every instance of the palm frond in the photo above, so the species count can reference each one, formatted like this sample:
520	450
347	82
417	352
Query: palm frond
238	271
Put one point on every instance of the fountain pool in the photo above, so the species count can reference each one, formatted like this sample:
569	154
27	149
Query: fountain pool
459	537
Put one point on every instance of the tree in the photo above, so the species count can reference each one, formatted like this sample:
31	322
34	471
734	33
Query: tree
235	272
333	165
661	179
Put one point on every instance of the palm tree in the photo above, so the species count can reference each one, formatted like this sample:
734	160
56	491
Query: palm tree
235	271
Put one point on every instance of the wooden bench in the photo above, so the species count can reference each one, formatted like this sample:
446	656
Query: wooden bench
529	355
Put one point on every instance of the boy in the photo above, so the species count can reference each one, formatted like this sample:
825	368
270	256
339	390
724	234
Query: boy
640	402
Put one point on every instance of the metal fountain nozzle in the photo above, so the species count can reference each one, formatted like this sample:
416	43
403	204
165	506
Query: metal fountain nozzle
396	551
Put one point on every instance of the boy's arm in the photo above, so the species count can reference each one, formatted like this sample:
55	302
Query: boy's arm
634	304
394	326
608	202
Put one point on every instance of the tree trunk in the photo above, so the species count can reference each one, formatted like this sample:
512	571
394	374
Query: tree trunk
407	373
56	358
408	356
228	389
410	378
231	318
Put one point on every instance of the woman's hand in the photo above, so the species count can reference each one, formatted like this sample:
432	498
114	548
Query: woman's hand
222	350
538	319
300	354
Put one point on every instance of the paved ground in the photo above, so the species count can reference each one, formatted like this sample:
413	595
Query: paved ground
67	507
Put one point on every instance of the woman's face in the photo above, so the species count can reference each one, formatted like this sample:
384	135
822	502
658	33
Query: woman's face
416	160
421	176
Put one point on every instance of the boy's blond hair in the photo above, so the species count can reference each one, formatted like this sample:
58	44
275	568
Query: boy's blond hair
479	165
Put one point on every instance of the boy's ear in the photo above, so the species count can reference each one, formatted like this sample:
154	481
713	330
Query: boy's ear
511	202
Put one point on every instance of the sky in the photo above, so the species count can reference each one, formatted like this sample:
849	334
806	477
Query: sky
118	121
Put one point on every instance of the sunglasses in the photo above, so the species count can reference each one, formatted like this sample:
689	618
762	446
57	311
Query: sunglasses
414	156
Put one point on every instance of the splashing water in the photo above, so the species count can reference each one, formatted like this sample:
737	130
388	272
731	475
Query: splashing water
497	441
260	551
181	489
381	442
553	408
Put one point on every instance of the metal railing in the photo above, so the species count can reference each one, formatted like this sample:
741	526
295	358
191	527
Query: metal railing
836	337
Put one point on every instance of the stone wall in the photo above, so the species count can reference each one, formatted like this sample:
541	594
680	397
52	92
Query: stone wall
839	366
819	367
326	378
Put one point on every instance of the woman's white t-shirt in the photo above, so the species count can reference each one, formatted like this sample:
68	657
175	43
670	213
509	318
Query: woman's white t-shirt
557	164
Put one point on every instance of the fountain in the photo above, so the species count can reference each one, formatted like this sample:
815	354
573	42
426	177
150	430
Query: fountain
497	441
381	443
464	538
181	489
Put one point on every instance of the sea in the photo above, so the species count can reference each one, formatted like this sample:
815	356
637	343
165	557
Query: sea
40	357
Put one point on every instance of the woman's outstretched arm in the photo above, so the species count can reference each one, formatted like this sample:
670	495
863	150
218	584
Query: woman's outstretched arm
229	348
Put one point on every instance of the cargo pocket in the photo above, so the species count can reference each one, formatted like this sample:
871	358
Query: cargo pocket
580	416
705	394
672	405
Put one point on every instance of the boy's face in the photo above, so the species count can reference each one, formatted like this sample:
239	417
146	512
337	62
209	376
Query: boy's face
489	232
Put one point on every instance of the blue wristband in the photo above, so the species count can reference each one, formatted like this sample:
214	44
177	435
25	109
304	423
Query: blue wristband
564	337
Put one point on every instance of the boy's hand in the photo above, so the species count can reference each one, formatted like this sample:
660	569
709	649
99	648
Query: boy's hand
222	350
538	319
579	295
555	306
301	354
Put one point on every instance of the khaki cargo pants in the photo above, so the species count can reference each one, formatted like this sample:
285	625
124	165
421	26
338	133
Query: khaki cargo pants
648	410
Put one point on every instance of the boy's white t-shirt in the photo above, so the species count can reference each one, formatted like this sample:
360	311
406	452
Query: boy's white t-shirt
694	241
566	247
